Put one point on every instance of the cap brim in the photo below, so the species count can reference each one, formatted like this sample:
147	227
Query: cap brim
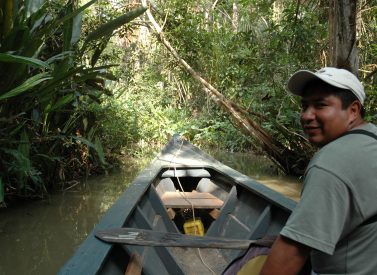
298	81
339	78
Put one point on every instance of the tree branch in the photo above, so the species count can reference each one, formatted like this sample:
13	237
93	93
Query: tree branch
371	74
279	153
214	4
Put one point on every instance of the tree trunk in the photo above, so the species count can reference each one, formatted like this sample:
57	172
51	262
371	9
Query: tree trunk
290	161
342	35
235	16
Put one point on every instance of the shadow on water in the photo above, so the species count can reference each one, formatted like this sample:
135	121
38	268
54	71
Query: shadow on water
262	170
38	237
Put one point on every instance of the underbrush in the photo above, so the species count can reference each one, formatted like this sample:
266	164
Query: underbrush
136	129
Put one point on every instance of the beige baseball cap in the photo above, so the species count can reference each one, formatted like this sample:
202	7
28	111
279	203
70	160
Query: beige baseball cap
339	78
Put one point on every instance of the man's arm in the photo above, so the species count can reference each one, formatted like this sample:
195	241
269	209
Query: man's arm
286	257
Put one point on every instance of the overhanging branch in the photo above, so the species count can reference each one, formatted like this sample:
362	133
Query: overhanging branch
280	154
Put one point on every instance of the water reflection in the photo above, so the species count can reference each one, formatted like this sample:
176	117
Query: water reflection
38	237
261	169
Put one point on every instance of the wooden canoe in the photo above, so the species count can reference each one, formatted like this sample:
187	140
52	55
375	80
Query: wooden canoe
229	204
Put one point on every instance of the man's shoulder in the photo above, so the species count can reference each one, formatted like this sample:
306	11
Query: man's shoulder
356	138
348	148
367	127
353	139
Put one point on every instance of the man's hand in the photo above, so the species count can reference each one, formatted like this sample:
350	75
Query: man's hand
287	257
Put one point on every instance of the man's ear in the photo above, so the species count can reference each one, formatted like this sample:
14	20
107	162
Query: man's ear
355	110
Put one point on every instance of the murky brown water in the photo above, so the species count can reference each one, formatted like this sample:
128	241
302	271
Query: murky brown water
38	237
262	170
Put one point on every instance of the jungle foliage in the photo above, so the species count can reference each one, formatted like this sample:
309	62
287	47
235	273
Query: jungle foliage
79	86
247	50
51	75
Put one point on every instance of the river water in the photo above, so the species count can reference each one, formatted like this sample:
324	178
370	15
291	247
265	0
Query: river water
38	237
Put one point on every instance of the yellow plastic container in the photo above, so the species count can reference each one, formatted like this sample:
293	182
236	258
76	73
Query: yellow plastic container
194	227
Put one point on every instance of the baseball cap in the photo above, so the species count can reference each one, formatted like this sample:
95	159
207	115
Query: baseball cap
339	78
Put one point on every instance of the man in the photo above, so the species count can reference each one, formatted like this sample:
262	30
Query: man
333	224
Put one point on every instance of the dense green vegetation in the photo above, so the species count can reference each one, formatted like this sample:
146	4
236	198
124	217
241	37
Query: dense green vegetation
49	79
249	63
79	86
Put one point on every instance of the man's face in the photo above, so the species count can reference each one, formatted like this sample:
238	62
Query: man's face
322	117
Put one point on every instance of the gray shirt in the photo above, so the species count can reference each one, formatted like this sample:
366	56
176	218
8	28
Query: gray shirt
340	191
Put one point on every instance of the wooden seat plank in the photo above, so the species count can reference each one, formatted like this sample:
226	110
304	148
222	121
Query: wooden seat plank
192	173
135	265
188	199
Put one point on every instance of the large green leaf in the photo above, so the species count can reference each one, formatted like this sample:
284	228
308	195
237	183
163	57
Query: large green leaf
72	29
60	56
32	6
27	85
29	36
24	146
97	146
76	29
11	58
54	24
107	28
61	102
99	150
73	14
79	74
39	19
59	76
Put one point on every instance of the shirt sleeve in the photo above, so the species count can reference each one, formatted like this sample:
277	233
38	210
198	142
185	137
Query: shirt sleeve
320	216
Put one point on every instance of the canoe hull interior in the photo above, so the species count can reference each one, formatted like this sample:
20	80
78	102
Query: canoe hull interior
164	196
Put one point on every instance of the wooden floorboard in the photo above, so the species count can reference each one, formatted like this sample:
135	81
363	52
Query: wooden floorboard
189	199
